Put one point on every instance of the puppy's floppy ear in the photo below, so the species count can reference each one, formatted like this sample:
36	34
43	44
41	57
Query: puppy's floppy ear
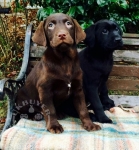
90	36
39	35
79	33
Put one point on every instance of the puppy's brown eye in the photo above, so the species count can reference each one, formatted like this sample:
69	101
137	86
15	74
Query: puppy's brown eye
105	31
68	24
51	25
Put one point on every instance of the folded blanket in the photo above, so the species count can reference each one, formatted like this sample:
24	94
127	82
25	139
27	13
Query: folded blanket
127	108
123	134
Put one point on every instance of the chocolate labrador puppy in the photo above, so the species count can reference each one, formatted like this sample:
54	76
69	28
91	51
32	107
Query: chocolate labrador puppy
57	78
96	62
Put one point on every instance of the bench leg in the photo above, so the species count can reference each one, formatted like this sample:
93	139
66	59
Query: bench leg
10	108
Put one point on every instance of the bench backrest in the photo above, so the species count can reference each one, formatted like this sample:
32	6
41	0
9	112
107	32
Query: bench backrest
125	72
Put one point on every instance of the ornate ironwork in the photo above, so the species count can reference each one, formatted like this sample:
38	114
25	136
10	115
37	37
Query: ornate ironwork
10	87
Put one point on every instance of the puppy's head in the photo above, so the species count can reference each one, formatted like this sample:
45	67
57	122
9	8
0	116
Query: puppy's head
58	30
105	35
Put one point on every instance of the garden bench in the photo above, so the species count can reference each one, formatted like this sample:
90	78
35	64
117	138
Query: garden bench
124	76
125	73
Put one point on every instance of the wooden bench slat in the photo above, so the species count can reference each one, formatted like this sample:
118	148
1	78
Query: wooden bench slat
126	55
119	55
130	41
126	71
32	63
125	99
133	35
124	84
37	51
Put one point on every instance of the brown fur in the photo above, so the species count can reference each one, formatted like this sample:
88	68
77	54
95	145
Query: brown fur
49	79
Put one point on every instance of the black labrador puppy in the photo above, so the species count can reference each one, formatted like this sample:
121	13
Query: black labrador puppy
96	62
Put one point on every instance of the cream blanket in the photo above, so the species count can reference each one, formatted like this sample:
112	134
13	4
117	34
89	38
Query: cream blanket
32	135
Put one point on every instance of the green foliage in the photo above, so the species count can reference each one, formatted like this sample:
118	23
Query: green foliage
12	36
118	92
3	109
87	12
7	45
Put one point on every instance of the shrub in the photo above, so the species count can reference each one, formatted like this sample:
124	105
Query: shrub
87	12
12	36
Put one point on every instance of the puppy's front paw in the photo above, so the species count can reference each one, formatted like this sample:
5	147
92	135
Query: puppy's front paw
90	126
55	128
104	119
108	104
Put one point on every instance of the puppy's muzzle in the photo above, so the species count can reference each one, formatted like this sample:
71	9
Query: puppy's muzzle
118	40
62	35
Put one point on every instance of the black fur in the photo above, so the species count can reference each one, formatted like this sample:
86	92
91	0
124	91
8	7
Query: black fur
96	62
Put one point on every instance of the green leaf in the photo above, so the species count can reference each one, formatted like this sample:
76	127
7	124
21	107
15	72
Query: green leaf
72	11
49	10
115	1
44	12
135	15
90	2
102	2
41	14
126	19
80	10
58	1
124	4
86	24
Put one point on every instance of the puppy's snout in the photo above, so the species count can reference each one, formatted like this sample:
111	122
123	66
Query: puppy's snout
118	39
62	35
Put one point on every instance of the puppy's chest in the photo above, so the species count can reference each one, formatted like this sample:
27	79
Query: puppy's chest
67	70
104	66
63	84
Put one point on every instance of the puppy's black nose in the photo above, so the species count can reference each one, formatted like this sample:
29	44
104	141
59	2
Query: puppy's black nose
118	39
